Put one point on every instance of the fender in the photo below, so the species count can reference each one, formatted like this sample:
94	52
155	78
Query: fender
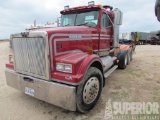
87	62
81	63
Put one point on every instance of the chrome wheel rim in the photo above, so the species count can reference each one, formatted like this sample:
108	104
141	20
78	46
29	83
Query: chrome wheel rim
129	57
125	60
91	90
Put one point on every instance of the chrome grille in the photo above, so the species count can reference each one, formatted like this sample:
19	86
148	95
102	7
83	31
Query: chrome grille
29	55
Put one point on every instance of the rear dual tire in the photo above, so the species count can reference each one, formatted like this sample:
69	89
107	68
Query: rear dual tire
123	59
129	55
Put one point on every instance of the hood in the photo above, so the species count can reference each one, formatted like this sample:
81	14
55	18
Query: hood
63	44
69	30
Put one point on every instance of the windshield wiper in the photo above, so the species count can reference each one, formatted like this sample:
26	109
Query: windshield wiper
82	24
85	24
67	25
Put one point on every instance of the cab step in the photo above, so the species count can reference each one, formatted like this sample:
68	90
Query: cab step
110	71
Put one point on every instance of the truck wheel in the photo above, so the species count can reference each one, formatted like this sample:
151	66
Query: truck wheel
122	59
129	56
89	91
131	53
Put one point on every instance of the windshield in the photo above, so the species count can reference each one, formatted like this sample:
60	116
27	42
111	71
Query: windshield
89	18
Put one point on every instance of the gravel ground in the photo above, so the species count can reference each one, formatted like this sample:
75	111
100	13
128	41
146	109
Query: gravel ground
139	82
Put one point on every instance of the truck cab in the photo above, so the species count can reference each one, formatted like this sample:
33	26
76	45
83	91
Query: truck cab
67	66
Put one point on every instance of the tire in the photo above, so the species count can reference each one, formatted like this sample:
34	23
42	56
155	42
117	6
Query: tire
89	91
129	56
122	59
131	53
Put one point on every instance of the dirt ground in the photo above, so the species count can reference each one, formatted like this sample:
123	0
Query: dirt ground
139	82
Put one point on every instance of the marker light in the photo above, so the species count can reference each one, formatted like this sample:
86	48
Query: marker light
10	58
66	7
90	3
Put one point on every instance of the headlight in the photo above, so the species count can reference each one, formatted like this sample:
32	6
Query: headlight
10	58
64	67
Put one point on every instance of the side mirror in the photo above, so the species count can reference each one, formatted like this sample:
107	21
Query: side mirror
157	9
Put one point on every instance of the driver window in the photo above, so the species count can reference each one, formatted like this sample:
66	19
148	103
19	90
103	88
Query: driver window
105	21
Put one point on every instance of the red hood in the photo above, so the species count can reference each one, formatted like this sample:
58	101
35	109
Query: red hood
69	30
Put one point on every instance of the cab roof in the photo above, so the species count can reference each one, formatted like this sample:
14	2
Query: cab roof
81	8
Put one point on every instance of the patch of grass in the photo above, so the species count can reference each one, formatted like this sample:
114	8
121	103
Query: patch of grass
120	96
115	96
136	97
156	95
137	73
98	118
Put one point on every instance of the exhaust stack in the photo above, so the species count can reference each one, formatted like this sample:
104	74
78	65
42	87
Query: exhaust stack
117	22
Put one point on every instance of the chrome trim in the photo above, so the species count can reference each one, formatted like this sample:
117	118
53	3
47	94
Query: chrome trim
95	34
102	35
65	82
104	38
95	37
35	34
10	44
103	53
55	93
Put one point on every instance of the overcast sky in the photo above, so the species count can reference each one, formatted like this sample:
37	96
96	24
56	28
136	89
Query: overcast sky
17	15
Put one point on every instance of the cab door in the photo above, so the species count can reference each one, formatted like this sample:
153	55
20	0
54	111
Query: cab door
105	35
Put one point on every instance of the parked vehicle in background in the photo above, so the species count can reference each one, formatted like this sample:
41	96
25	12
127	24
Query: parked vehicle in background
125	38
67	65
140	38
155	37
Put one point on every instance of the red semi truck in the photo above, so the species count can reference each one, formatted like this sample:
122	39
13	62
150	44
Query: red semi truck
67	66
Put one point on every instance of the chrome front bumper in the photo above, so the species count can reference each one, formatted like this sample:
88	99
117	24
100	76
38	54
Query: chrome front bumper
58	94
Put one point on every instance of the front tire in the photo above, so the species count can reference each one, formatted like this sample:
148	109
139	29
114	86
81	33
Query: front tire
89	91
